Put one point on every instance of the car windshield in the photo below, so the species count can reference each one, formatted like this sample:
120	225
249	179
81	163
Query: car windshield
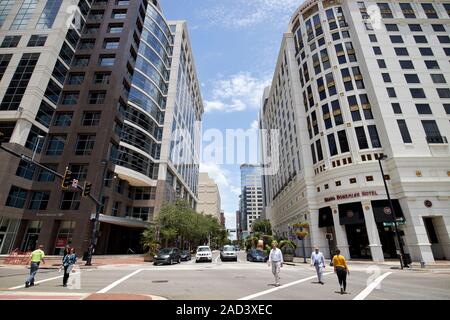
203	249
165	251
228	249
258	253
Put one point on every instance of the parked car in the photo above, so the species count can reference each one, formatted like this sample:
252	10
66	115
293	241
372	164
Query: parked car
237	248
167	256
185	255
228	253
257	256
204	253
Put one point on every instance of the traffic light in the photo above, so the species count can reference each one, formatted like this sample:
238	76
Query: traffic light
67	179
87	189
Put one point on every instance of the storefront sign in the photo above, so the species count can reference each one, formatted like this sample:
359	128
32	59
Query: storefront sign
351	195
60	243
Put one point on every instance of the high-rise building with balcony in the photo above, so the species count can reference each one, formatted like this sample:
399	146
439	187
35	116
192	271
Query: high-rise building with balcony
127	103
356	80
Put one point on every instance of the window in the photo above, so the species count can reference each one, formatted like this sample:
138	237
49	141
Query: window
10	42
63	119
102	77
447	108
381	64
81	61
426	51
79	171
91	118
111	43
377	50
76	78
361	137
423	108
37	41
444	93
432	131
16	197
55	145
319	150
415	27
343	142
18	85
25	170
122	2
391	27
369	178
5	9
70	200
438	27
4	62
352	180
45	175
406	64
338	120
53	91
396	39
447	51
438	78
412	78
332	145
385	10
373	38
24	15
444	39
401	51
367	110
85	144
39	200
417	93
313	153
429	10
354	108
97	97
391	92
432	65
92	29
373	134
396	108
70	98
115	209
386	77
407	10
35	139
96	15
420	39
86	44
66	53
60	72
7	128
45	114
115	28
326	116
106	60
119	14
338	183
49	13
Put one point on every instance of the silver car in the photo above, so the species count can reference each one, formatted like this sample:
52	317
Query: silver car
228	253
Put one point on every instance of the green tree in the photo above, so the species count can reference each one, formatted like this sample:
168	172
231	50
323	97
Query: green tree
262	227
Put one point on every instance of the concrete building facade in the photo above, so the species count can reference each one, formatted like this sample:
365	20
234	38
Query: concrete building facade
208	196
356	80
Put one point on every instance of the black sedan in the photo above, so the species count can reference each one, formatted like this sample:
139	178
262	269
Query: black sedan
185	255
257	256
167	256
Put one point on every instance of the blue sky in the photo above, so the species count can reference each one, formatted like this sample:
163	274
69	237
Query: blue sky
235	45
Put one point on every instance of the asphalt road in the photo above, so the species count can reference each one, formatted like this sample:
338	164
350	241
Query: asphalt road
231	280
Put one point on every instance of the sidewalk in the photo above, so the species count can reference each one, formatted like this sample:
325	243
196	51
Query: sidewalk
439	265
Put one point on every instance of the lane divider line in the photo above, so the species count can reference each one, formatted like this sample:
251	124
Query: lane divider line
116	283
281	287
363	294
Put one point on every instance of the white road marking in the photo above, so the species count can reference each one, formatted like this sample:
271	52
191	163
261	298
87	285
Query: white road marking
363	294
116	283
280	287
217	259
45	280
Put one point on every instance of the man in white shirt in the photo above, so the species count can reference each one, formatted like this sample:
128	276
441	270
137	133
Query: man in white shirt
276	258
318	261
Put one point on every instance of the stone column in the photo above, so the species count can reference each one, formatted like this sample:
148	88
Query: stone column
341	233
318	235
372	232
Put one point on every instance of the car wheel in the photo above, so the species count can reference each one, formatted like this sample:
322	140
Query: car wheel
179	260
171	261
154	263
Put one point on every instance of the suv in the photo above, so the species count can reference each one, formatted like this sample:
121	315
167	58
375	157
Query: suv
167	256
203	254
228	253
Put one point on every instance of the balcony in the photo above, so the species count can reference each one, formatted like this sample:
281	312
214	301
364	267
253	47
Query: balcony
437	140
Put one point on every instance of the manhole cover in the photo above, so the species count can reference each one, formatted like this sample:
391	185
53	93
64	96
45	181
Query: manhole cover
160	281
239	277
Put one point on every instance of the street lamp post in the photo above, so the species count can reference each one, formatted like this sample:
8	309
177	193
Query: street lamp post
39	138
97	216
402	252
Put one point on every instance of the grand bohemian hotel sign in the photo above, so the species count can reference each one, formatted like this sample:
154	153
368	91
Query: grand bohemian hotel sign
351	195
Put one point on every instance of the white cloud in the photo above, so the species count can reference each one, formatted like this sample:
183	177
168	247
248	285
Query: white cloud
238	92
220	176
249	13
255	125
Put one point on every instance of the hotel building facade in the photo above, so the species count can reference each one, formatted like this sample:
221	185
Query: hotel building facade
356	80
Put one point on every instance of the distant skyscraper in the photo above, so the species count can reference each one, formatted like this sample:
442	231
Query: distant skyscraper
122	92
251	202
208	196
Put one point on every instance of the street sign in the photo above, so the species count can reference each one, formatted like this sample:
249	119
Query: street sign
75	183
387	210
